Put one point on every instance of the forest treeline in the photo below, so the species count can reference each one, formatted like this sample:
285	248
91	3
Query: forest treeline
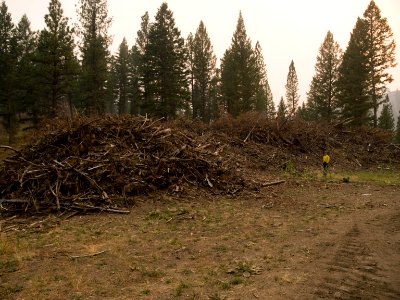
46	73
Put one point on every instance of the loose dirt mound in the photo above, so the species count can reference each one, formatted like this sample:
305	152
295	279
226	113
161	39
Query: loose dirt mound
101	164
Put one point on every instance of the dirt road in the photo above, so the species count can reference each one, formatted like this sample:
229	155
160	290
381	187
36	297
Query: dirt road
298	240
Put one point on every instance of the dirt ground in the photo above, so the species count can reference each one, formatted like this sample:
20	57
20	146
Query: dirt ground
303	239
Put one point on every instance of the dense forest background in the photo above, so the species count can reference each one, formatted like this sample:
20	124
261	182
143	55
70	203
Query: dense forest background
65	70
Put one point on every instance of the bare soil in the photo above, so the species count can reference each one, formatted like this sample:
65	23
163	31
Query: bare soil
297	240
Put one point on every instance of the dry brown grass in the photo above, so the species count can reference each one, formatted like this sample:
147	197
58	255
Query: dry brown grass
193	246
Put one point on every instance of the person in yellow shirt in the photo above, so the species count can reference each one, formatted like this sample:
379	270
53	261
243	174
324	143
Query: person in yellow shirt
325	162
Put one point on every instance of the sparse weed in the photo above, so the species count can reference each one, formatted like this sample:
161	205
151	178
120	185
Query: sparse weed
236	280
215	296
180	288
289	168
9	266
151	274
145	292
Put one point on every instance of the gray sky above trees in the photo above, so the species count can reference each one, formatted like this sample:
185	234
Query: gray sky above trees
286	29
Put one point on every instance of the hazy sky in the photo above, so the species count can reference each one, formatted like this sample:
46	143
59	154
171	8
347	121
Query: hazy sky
286	29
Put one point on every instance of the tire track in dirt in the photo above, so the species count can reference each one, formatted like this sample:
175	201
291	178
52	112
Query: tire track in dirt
393	224
353	273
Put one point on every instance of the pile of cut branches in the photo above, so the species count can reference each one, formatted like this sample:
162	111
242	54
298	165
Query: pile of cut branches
100	164
272	142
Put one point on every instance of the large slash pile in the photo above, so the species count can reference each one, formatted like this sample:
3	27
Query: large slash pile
101	163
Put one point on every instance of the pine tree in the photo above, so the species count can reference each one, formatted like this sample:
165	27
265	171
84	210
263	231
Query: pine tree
56	65
322	97
238	83
7	72
215	95
261	87
165	70
271	111
386	119
142	38
134	84
292	90
137	67
123	76
203	68
190	54
95	55
282	110
25	87
111	95
380	53
397	133
352	87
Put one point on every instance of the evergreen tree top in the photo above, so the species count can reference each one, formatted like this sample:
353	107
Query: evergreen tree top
6	27
142	38
94	19
55	19
240	39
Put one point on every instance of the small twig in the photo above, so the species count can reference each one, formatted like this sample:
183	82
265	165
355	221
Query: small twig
11	148
245	140
13	201
208	181
86	206
37	222
273	183
87	255
397	146
8	219
9	228
55	194
358	163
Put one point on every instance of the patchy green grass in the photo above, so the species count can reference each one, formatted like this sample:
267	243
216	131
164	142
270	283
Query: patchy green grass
386	177
380	176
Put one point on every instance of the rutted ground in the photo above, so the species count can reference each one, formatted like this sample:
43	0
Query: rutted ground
298	240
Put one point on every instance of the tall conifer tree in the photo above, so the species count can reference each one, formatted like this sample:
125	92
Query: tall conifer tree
7	71
386	119
123	76
204	71
380	53
142	38
137	66
322	96
397	133
134	84
262	86
111	94
238	69
56	65
292	90
95	55
352	84
190	55
25	85
165	70
271	111
282	110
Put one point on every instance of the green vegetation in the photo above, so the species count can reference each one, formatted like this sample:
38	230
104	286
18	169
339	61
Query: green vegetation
386	177
180	288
